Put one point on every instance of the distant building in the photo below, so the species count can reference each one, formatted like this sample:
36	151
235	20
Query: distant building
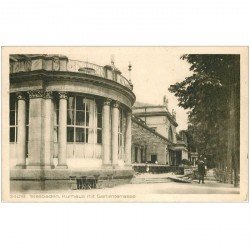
147	144
167	149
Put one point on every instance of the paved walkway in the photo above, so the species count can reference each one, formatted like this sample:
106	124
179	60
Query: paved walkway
166	186
210	187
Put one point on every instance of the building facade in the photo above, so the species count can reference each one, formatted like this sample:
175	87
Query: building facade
67	118
167	149
147	145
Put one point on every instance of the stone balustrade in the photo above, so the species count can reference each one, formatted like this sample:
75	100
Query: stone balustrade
62	63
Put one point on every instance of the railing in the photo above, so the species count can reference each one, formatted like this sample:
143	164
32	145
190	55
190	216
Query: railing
94	69
156	168
85	67
70	66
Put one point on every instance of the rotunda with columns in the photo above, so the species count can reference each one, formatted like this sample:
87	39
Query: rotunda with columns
67	118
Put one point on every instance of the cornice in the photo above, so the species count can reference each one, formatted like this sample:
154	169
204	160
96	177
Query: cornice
158	113
47	76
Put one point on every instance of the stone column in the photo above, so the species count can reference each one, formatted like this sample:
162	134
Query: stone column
145	153
128	140
106	133
115	121
62	131
21	133
47	131
35	129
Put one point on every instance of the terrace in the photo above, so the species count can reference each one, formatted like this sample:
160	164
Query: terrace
27	63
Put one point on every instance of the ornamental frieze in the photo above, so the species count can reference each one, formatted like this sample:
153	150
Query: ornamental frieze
36	93
116	104
107	102
48	94
20	96
56	63
63	95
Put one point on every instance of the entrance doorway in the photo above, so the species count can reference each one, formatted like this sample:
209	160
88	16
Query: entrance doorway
153	158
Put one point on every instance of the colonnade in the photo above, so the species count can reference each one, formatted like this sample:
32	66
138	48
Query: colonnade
112	136
40	142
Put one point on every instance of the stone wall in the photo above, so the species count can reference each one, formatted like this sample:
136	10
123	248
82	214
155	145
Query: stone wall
58	179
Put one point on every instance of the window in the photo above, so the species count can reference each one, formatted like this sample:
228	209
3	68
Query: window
27	126
136	154
99	123
142	155
153	158
13	118
56	119
84	120
121	131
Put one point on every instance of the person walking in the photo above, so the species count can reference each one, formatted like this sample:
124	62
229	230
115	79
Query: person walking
201	170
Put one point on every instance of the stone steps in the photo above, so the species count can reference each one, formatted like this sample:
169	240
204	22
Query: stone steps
149	180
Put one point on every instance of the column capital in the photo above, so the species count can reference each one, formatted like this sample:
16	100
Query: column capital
107	101
116	104
21	96
48	95
63	95
36	93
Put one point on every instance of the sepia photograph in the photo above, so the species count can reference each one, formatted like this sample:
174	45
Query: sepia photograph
124	124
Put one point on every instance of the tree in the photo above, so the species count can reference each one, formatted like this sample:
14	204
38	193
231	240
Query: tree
212	94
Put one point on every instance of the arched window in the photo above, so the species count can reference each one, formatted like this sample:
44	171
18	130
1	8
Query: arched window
170	134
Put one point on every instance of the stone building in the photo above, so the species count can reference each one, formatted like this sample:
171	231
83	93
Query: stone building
167	149
147	144
67	118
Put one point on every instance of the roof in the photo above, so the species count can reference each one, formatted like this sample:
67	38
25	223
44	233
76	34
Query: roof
140	110
154	113
17	57
147	105
144	125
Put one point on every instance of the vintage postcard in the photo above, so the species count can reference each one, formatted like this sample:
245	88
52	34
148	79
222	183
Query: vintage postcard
124	124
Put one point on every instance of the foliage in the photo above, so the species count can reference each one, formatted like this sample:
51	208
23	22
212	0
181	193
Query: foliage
186	162
207	96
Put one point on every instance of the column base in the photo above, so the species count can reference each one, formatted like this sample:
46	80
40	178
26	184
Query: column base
49	166
34	166
128	165
39	166
64	166
116	166
107	166
20	166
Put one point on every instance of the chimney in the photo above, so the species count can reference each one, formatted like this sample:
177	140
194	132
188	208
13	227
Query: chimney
165	101
174	114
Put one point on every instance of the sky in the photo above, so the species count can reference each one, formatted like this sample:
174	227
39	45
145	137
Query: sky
154	69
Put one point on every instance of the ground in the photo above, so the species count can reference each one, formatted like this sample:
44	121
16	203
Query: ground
210	187
156	184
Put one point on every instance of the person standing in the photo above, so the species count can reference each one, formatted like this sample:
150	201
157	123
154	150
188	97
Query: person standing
201	170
